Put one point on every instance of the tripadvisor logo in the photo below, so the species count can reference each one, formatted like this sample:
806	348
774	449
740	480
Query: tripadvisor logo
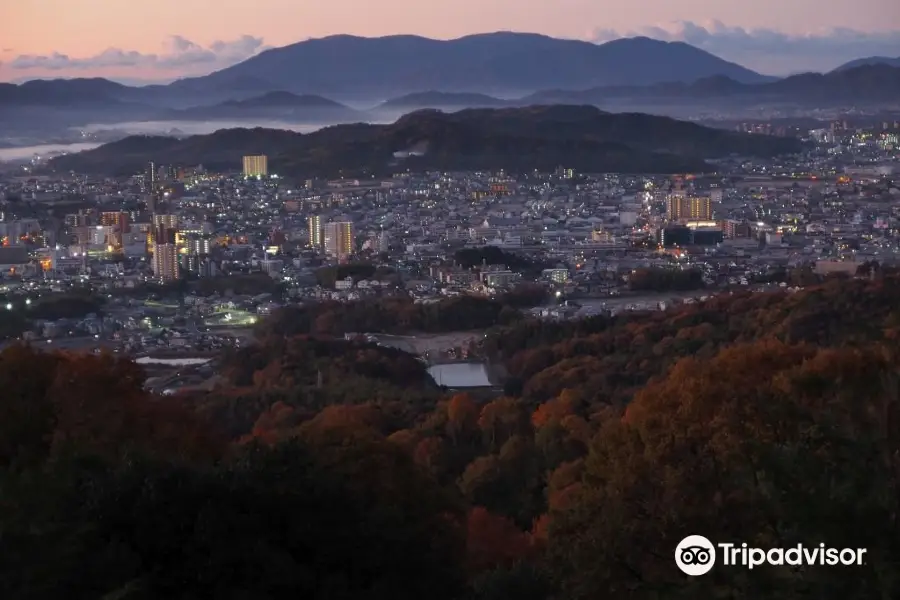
695	555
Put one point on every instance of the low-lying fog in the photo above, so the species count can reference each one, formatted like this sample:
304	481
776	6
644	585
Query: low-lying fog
86	137
43	151
96	134
193	127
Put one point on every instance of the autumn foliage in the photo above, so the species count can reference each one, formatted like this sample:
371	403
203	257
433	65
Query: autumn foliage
327	468
95	404
494	541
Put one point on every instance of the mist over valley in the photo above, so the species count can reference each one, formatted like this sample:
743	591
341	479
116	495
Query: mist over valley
349	79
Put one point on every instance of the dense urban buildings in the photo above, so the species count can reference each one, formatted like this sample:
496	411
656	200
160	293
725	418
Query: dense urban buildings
829	209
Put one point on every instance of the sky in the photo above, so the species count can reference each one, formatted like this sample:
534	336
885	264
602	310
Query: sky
137	41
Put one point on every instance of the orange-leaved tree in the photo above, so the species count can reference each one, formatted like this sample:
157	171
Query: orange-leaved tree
766	443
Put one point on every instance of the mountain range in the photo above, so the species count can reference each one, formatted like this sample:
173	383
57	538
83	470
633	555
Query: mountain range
516	139
870	60
347	67
314	82
865	84
489	63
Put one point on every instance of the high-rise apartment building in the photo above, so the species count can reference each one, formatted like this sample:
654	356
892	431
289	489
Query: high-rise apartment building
689	208
118	219
162	230
167	221
256	166
315	231
151	178
338	239
165	251
186	231
165	262
118	222
195	252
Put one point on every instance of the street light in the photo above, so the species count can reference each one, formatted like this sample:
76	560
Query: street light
9	306
28	301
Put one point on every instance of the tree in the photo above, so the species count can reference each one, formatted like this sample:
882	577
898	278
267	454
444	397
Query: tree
565	475
27	413
364	420
406	439
767	443
56	403
430	454
502	418
296	520
482	482
274	423
493	541
462	416
555	410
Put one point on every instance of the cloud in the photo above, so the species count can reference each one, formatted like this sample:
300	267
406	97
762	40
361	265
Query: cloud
181	54
769	50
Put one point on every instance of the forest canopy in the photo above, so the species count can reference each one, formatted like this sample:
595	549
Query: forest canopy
332	468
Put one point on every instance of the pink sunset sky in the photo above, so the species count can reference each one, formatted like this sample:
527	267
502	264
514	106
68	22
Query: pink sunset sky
160	40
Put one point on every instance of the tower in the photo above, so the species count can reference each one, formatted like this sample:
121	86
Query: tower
314	223
338	239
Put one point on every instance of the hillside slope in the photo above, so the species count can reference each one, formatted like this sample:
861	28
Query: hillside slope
516	139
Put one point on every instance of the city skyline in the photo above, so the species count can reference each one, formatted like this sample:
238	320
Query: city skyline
128	42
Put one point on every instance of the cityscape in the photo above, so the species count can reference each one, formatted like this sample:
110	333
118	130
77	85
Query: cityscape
596	237
427	321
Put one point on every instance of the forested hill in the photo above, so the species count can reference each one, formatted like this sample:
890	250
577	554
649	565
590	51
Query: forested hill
515	139
326	468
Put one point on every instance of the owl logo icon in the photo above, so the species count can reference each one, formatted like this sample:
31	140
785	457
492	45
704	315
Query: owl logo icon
695	555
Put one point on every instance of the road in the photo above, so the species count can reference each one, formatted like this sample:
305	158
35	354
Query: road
80	343
614	302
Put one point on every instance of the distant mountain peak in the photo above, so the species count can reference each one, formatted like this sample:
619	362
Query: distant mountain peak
869	83
869	61
502	62
638	39
277	104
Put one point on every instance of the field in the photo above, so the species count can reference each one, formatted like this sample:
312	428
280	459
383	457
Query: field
428	342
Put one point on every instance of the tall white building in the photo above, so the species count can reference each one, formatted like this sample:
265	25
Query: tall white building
315	231
256	166
165	262
338	239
